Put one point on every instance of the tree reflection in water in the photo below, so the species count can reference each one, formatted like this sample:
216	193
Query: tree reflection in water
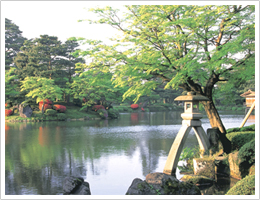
108	154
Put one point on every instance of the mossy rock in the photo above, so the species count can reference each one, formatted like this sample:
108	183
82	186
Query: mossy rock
197	180
246	186
50	112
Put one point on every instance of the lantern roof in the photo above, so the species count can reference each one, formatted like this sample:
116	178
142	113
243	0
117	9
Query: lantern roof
191	96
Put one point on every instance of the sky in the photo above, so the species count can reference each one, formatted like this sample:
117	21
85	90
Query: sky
56	18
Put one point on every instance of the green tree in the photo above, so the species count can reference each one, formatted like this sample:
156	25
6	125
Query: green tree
41	88
11	85
190	47
95	86
13	42
40	57
69	64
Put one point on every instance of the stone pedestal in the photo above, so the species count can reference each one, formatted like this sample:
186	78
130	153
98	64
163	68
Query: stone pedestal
177	146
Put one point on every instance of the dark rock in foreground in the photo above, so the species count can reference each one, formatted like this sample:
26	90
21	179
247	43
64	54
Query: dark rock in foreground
75	186
161	184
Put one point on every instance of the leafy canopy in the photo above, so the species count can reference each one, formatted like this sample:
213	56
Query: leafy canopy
184	46
41	88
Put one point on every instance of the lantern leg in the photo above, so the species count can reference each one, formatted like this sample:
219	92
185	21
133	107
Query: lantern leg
176	149
202	138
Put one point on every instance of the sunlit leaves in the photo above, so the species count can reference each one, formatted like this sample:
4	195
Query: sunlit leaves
41	88
175	43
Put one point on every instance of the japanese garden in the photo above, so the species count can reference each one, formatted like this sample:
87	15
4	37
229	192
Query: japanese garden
157	111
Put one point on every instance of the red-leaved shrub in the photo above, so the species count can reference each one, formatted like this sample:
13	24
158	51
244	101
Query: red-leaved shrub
8	112
47	101
59	108
97	107
134	106
47	105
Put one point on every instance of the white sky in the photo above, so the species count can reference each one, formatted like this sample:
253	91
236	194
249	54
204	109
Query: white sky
56	18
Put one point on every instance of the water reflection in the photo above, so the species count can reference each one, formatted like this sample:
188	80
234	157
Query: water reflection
39	155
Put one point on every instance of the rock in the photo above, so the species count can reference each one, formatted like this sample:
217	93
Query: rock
234	163
161	184
204	166
222	165
75	186
26	111
197	180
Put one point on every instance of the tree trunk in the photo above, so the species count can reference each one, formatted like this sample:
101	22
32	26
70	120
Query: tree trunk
215	121
43	107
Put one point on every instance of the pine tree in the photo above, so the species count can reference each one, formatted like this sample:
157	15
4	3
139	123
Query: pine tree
13	42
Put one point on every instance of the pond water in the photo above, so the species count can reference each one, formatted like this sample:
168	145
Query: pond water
108	154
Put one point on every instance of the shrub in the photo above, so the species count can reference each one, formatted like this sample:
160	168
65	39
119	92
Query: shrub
134	106
112	113
46	106
246	128
59	108
246	186
61	116
50	112
98	107
247	153
8	112
238	139
102	113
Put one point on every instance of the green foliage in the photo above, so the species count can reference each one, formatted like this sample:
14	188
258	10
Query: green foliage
61	116
113	114
246	128
50	112
246	186
11	85
13	41
247	153
189	153
185	61
238	139
41	88
102	113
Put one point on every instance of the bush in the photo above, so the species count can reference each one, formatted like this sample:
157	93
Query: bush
46	106
113	113
238	139
246	186
247	153
134	106
59	108
246	128
8	112
50	112
61	116
98	107
102	113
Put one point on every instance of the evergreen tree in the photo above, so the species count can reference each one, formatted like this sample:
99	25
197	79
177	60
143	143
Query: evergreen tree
13	42
42	57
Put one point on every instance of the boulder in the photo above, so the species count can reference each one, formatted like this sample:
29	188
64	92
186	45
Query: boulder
161	184
26	111
75	186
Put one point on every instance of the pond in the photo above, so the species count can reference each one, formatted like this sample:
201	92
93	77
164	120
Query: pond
108	154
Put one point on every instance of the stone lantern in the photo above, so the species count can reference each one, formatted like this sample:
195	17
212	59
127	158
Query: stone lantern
191	119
